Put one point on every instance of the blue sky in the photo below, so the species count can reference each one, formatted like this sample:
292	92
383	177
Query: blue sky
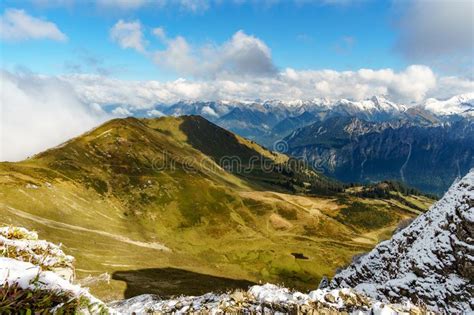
339	36
68	65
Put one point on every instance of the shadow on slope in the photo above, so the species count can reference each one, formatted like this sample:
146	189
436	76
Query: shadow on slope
168	282
216	142
254	163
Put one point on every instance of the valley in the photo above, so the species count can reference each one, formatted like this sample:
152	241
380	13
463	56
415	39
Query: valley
137	197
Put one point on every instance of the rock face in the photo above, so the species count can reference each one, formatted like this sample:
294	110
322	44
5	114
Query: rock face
431	261
352	150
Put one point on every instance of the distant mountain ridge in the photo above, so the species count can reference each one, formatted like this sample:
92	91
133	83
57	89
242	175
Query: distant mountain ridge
427	157
269	120
357	141
375	108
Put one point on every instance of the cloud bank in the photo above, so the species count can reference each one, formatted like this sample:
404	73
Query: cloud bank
17	25
40	112
413	84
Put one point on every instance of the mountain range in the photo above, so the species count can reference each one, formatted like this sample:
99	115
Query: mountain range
156	204
356	141
353	150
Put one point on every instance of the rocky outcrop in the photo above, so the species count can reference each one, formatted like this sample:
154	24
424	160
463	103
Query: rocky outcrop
21	244
36	277
429	262
265	299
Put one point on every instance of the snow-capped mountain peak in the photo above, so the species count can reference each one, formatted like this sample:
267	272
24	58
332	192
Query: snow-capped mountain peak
462	104
374	104
457	105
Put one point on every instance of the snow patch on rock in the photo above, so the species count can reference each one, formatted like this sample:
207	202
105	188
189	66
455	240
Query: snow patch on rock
264	299
21	244
39	266
431	261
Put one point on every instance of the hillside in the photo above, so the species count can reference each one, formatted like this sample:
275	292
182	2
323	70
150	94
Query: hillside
147	202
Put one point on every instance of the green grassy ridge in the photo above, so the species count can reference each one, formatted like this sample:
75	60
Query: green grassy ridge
102	196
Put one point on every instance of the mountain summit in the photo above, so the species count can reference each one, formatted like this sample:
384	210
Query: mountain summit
430	261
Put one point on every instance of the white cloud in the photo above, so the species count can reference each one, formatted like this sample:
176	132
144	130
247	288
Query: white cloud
128	35
178	56
206	110
241	55
160	33
412	84
17	25
40	112
121	112
122	4
154	113
439	31
451	85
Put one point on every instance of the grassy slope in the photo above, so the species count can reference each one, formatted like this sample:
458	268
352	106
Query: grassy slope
107	198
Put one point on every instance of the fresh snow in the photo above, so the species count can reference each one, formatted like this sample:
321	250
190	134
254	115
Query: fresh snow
35	264
24	244
29	276
263	299
374	104
461	104
429	261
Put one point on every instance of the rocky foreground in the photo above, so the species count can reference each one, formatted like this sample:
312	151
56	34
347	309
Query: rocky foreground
431	261
37	275
267	299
